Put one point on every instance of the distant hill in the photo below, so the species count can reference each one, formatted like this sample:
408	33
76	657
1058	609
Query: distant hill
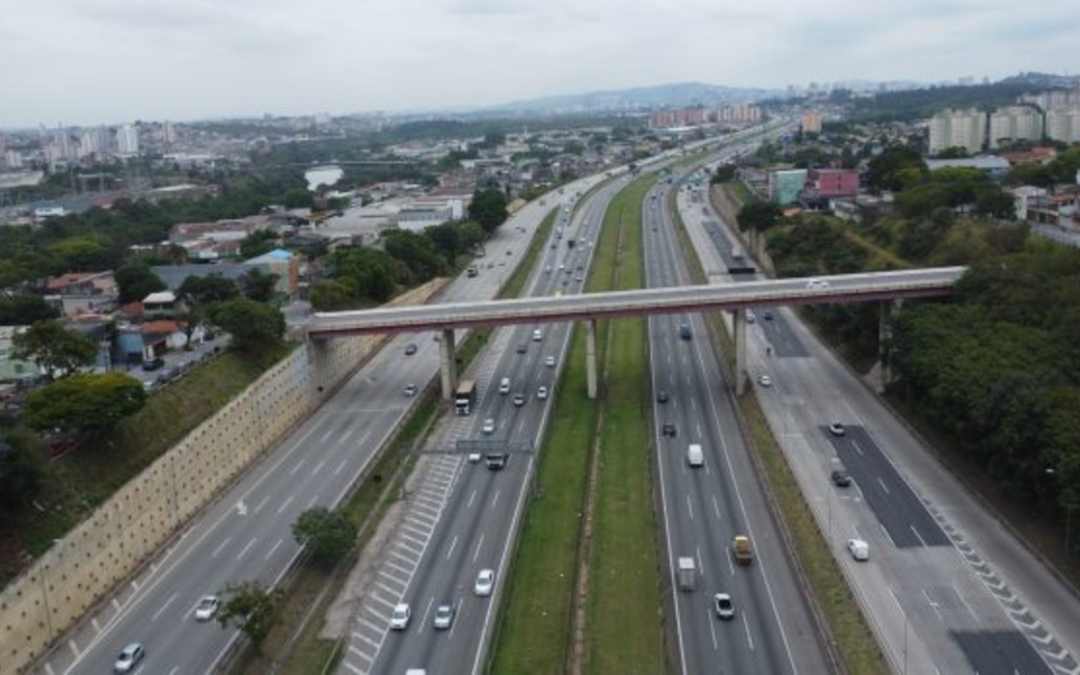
677	95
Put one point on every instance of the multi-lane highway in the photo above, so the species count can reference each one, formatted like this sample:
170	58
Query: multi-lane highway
705	507
246	534
461	517
946	588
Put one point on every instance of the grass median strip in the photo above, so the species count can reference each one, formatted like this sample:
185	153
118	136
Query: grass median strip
624	618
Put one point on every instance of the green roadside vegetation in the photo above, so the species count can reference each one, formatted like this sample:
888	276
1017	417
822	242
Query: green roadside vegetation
300	650
623	631
80	481
845	623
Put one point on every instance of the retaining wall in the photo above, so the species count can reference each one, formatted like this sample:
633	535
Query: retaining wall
119	536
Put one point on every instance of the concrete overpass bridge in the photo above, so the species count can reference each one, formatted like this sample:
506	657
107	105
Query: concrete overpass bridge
884	287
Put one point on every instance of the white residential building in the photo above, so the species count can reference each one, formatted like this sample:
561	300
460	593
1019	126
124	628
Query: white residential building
127	140
958	128
1015	122
1063	125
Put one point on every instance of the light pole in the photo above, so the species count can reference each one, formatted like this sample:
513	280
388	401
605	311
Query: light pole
1068	519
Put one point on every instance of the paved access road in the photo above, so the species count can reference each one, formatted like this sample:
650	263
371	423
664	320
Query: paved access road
246	534
461	517
946	588
705	508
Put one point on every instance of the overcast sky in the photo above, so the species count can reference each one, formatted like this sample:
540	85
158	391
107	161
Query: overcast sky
108	61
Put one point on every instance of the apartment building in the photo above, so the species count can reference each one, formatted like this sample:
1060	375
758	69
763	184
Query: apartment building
958	128
1015	123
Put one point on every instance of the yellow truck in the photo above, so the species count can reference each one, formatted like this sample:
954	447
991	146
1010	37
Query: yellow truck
743	550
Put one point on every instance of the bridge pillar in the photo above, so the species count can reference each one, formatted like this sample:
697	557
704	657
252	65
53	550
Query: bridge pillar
447	364
740	351
319	358
590	357
885	312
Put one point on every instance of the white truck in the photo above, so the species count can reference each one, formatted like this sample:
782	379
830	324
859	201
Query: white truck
687	574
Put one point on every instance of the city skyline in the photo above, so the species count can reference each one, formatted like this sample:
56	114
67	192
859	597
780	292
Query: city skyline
120	60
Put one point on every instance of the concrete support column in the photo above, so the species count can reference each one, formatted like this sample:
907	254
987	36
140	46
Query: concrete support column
318	356
447	364
885	311
590	357
740	351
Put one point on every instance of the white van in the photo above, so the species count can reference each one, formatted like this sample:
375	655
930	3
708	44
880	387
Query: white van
504	386
694	455
538	335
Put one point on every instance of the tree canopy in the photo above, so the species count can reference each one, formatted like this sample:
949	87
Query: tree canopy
56	349
86	403
488	207
255	328
252	608
329	534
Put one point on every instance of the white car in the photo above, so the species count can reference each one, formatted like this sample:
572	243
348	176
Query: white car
207	608
485	582
129	658
410	390
813	284
489	425
837	429
550	362
399	620
764	380
860	550
725	608
542	394
444	617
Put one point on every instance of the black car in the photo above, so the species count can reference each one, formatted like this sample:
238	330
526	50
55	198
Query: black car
661	396
685	332
841	478
669	429
410	349
522	348
153	364
496	461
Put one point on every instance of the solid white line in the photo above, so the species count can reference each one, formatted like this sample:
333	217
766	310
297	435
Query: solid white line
220	546
749	637
245	549
275	547
712	629
163	607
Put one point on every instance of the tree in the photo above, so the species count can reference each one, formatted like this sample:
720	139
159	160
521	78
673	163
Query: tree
54	348
20	471
329	296
254	327
758	216
329	534
85	403
257	243
364	272
198	293
258	286
136	281
894	168
23	309
252	608
416	252
488	207
299	198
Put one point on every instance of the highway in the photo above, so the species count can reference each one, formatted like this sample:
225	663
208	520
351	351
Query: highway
245	535
705	508
946	588
460	517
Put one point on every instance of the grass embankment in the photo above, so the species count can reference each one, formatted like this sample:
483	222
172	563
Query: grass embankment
854	642
625	624
84	478
300	650
623	630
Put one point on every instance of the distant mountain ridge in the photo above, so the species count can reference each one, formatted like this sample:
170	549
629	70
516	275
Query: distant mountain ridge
676	94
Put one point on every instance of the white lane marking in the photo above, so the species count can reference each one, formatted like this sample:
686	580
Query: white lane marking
274	548
328	434
917	535
471	498
855	445
886	533
346	435
427	611
318	467
964	601
284	506
220	547
262	504
299	464
749	637
712	629
495	499
453	544
341	466
883	487
933	605
716	508
896	601
689	507
244	551
311	502
161	609
479	545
